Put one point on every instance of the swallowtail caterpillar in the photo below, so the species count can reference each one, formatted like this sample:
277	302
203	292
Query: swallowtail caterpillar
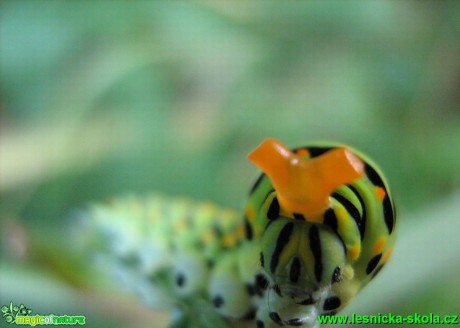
319	224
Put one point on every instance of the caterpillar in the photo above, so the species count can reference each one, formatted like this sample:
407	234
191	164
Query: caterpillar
319	224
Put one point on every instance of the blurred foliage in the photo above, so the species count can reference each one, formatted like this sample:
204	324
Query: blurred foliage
102	98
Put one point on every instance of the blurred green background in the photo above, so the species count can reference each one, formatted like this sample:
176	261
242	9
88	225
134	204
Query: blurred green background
107	97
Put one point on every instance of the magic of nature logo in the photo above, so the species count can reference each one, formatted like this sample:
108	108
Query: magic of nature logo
21	315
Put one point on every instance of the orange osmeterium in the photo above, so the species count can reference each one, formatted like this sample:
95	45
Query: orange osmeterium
304	186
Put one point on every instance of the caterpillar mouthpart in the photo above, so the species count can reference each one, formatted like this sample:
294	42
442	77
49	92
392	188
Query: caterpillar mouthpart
304	186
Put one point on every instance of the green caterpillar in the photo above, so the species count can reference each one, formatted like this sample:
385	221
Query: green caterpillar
319	225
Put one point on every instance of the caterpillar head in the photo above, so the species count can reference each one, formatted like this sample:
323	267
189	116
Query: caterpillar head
304	257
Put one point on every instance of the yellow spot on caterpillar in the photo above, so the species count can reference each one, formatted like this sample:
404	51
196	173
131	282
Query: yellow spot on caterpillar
250	214
387	255
380	193
379	246
354	252
229	240
342	216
